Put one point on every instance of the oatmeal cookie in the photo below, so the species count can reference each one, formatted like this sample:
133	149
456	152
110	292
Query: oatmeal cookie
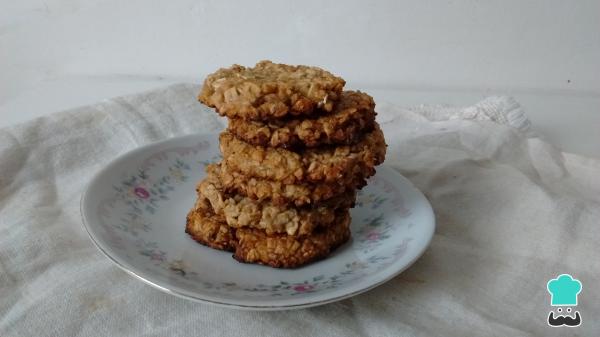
204	227
239	211
353	115
270	90
255	246
284	251
328	164
279	193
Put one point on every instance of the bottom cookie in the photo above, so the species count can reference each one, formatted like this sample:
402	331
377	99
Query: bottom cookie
255	246
206	228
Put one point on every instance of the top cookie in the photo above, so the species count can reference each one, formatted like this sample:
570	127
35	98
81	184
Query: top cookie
270	90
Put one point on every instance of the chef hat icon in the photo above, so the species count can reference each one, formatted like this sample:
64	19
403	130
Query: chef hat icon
564	290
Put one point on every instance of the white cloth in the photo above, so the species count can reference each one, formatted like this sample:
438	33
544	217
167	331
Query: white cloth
512	212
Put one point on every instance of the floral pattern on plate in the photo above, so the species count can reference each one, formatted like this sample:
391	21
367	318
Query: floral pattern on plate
130	211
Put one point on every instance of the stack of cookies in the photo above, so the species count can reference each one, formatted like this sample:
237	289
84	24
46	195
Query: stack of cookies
296	150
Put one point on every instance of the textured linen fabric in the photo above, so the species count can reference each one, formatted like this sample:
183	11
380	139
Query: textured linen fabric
512	212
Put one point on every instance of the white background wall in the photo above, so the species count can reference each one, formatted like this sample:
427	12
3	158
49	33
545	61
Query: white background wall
57	54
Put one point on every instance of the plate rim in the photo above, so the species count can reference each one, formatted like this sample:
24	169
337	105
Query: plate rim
238	304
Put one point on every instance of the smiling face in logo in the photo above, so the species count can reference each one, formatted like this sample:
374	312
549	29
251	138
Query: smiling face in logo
564	319
564	290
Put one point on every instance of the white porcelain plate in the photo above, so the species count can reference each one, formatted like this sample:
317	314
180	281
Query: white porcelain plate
135	210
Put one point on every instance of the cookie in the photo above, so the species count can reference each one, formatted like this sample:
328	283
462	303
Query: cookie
284	251
339	164
353	115
239	211
204	227
270	90
256	246
279	193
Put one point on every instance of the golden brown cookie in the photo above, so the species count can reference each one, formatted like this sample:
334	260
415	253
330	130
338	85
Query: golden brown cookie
255	246
353	115
239	211
204	227
280	193
328	164
284	251
270	90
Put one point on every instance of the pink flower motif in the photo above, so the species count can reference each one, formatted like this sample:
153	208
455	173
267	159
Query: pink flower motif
373	236
156	256
141	192
303	287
